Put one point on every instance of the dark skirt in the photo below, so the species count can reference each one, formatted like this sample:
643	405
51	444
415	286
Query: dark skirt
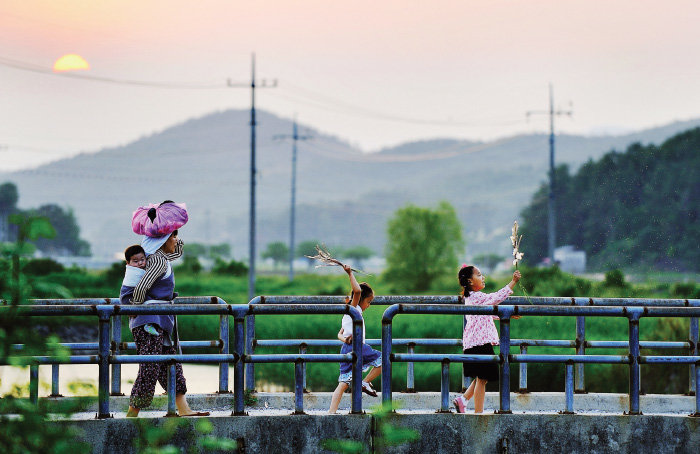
484	371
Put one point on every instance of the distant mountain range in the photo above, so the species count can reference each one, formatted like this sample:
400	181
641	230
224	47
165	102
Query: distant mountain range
344	196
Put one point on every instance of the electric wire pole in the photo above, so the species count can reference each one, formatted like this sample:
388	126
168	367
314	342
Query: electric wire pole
551	205
295	137
253	174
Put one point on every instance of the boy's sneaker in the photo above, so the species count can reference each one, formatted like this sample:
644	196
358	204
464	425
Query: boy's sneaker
150	329
367	389
459	405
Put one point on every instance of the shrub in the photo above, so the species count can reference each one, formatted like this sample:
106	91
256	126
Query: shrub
42	267
232	268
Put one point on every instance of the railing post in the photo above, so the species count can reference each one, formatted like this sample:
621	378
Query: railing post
249	350
504	397
693	338
103	353
410	379
386	361
34	384
445	387
116	325
697	391
54	381
302	350
172	408
466	381
238	349
298	387
633	315
580	385
223	367
569	389
357	340
522	389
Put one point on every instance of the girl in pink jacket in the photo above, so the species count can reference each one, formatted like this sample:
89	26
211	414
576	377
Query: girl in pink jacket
479	335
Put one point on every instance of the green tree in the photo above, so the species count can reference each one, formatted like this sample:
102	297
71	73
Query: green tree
358	254
638	208
307	247
26	428
222	250
277	251
67	239
423	244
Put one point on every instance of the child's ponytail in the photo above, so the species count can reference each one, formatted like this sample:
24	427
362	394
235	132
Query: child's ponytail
464	275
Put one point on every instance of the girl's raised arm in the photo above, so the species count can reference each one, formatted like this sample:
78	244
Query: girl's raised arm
356	289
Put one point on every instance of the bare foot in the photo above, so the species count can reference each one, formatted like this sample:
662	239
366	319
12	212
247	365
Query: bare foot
133	412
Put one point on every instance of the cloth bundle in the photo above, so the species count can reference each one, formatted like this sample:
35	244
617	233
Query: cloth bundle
156	221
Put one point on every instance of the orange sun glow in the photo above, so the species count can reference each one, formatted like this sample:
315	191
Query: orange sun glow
70	62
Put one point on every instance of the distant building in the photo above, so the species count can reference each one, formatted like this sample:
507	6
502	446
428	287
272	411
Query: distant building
570	260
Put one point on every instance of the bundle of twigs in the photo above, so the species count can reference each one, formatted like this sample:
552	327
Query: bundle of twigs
326	259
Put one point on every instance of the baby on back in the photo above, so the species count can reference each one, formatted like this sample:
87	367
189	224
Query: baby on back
135	258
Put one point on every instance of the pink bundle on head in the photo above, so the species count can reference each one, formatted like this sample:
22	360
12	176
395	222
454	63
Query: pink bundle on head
158	220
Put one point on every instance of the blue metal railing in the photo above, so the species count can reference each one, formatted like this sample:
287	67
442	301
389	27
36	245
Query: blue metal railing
242	355
222	343
580	344
505	312
105	357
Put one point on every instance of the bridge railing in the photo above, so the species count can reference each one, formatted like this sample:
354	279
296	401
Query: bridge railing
117	346
107	353
580	344
505	312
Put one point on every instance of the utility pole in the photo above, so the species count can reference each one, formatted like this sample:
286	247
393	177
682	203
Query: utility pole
551	205
253	174
295	137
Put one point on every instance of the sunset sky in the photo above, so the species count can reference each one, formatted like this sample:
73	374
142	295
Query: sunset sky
376	73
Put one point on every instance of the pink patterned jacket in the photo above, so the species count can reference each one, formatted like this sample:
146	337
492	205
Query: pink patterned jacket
480	329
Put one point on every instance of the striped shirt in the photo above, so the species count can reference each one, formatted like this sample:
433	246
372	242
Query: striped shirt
156	266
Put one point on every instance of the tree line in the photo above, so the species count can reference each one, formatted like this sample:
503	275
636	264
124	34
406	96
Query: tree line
637	209
67	240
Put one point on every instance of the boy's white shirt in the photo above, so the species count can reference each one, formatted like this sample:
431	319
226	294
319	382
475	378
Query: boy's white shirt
346	324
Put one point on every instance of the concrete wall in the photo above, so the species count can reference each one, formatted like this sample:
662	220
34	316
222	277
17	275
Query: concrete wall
449	433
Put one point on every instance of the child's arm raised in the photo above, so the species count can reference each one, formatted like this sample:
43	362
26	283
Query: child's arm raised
356	289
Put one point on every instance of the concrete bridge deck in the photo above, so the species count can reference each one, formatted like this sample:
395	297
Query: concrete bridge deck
425	402
535	425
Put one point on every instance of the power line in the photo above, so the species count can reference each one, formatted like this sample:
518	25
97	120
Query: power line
72	75
451	151
339	106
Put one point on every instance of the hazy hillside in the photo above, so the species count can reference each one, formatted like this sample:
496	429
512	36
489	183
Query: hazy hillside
344	196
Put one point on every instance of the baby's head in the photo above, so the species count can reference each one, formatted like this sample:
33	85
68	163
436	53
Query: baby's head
135	256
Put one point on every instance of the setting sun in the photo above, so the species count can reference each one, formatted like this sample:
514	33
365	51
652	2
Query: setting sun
70	62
